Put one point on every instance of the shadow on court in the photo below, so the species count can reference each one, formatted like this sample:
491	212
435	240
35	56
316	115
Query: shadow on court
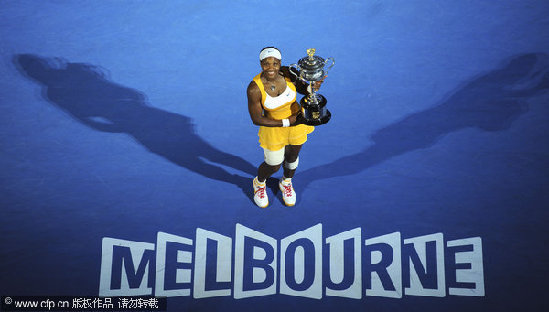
83	91
490	102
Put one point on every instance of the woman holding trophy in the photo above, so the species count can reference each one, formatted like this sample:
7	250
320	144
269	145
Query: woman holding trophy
272	106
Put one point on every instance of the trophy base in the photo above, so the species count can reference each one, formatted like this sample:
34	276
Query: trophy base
315	112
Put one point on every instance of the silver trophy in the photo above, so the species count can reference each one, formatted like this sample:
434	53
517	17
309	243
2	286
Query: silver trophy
310	69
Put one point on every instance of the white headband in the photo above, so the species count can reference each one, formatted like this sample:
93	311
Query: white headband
268	52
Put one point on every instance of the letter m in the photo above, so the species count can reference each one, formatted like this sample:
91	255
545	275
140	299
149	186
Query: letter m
126	268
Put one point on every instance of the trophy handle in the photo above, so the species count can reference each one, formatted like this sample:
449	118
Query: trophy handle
331	65
294	69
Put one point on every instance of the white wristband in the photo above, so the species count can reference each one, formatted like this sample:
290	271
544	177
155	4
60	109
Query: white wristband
310	88
285	122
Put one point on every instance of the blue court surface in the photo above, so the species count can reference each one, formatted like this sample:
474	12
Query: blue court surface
127	155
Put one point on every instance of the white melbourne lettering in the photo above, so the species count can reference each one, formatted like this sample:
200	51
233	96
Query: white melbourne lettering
391	267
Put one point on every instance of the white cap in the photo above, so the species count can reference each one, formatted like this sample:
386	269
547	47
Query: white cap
268	52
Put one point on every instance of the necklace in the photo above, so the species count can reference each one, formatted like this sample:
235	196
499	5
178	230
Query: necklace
273	84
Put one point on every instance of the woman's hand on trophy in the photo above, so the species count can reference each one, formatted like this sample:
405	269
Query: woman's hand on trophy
296	119
293	120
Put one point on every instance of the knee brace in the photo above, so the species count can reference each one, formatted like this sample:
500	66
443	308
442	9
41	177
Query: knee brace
274	158
292	165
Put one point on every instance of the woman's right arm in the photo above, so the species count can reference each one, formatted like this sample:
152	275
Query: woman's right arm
256	110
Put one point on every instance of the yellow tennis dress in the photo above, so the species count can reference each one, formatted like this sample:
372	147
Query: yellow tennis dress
281	107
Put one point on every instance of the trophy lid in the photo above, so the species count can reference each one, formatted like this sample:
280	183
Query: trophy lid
311	62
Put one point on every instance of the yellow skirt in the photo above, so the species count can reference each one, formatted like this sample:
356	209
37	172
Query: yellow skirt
275	138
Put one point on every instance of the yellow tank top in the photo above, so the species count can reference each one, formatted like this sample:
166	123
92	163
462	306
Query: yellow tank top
280	107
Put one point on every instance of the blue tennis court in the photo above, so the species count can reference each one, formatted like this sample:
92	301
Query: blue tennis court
128	153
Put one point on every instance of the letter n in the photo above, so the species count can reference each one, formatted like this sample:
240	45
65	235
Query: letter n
426	264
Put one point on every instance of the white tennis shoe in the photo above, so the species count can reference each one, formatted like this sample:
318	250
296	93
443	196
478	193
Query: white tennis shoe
260	193
288	192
